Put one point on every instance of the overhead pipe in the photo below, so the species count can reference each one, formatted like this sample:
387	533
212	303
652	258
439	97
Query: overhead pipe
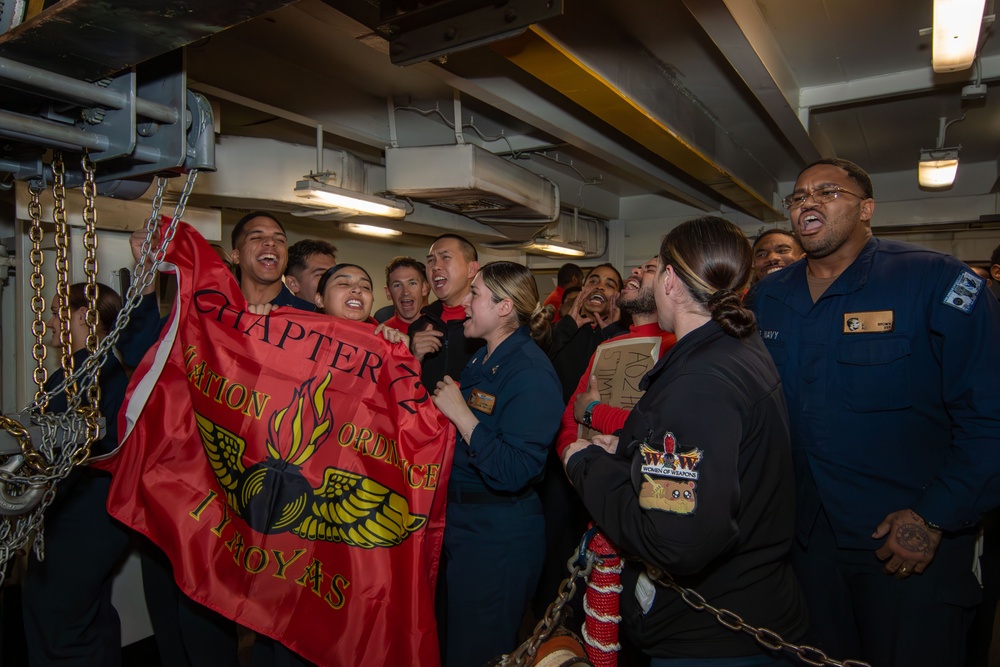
42	130
73	90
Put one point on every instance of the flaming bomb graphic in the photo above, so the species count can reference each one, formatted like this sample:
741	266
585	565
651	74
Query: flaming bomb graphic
272	496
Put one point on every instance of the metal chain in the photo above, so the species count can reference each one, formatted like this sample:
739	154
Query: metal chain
143	278
769	639
90	246
525	653
37	282
92	412
62	265
68	427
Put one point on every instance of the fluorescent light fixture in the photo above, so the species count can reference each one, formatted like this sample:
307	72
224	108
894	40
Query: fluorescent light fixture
957	25
370	230
556	248
330	195
937	168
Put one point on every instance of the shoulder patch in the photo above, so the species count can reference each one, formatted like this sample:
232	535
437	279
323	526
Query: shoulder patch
669	477
668	495
964	291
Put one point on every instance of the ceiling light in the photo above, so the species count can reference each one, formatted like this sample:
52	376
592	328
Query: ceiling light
939	165
937	168
957	24
555	248
370	230
330	195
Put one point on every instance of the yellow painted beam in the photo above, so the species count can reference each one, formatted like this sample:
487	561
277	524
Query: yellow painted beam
542	56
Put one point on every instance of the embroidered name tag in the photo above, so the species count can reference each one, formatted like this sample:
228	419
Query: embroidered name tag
480	400
964	291
872	321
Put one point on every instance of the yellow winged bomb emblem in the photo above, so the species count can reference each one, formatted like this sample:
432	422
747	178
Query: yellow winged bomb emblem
272	496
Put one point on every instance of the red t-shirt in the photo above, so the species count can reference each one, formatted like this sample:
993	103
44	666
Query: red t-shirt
452	313
398	324
555	299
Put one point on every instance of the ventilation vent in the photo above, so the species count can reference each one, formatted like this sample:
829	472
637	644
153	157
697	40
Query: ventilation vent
466	179
471	207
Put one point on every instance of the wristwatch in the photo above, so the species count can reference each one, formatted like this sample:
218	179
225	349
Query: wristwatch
588	414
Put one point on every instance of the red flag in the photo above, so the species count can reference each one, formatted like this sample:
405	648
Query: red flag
293	469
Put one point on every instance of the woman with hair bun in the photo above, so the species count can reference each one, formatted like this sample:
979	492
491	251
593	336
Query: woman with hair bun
699	484
506	415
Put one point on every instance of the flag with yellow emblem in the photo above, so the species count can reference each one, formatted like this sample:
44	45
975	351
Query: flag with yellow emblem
291	466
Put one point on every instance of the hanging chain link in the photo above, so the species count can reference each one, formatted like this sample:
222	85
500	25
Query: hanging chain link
61	433
37	282
525	653
92	412
769	639
62	266
90	246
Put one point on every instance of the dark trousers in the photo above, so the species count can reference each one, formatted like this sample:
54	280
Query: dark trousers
981	636
492	559
856	611
270	653
66	599
187	633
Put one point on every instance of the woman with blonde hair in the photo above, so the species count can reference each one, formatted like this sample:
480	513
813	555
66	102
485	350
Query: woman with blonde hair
506	412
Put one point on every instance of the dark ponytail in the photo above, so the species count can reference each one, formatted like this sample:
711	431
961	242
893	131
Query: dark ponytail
108	304
726	308
714	260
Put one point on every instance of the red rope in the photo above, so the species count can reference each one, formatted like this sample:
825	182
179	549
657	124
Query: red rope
601	604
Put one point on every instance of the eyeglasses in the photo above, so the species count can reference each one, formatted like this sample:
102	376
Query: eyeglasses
821	195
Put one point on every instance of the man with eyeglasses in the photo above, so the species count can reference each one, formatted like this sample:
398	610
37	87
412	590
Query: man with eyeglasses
887	353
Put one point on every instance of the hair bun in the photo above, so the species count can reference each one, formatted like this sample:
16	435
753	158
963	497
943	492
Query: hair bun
727	309
723	297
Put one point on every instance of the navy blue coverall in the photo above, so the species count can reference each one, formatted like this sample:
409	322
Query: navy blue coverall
494	538
890	378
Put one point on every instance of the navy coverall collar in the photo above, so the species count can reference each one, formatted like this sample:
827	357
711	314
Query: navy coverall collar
796	293
504	349
286	298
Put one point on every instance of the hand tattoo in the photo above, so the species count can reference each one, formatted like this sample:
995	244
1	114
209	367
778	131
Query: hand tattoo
914	538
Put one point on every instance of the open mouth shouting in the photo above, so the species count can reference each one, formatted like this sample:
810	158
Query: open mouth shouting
631	285
354	308
268	260
408	306
809	223
596	302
